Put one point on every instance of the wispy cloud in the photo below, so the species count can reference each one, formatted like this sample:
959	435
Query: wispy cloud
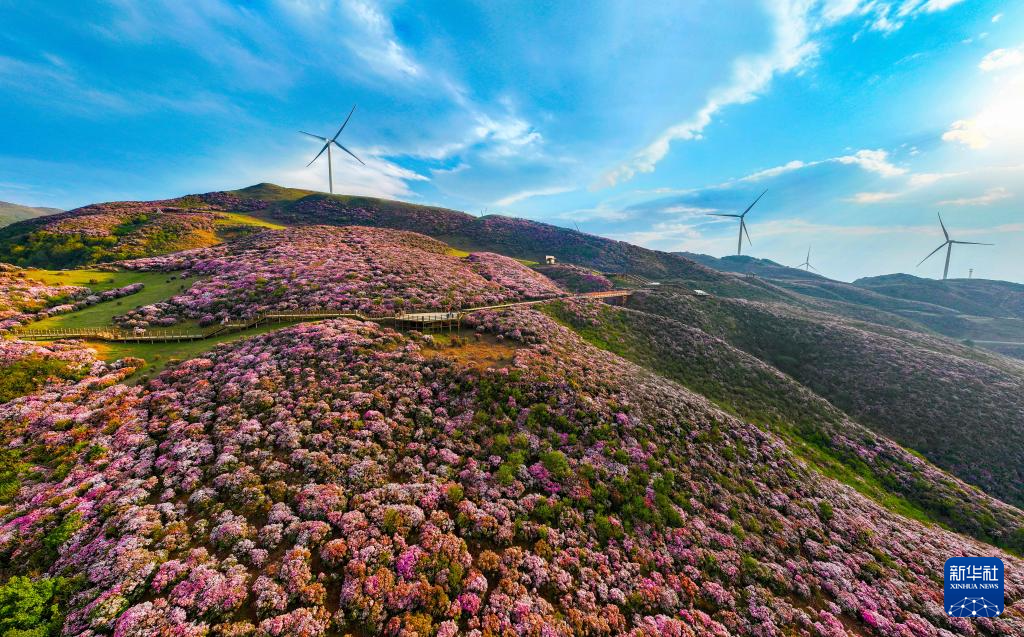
527	194
874	197
377	45
989	197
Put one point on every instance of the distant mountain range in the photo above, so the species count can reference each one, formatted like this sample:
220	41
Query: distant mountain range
986	312
13	212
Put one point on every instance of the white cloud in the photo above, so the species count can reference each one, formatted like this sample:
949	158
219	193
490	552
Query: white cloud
997	17
933	6
377	45
873	197
968	133
526	194
683	209
454	170
768	173
921	180
876	161
1000	59
506	136
989	197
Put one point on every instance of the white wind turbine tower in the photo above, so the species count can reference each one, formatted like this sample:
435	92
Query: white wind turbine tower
806	265
327	147
948	245
743	223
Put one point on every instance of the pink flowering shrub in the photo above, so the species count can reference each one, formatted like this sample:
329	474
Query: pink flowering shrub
575	278
354	269
761	393
329	478
22	298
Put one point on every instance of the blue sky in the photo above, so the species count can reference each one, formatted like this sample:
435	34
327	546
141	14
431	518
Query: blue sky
862	118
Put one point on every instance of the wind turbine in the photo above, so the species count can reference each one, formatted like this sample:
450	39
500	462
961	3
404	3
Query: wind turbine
327	147
807	262
948	245
743	223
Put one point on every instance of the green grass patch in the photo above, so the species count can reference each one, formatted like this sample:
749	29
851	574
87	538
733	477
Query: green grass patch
455	252
96	280
159	286
241	219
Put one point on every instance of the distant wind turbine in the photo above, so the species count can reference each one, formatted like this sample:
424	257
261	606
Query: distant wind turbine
743	223
807	262
327	147
948	245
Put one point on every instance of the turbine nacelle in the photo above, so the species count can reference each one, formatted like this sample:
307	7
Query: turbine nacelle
948	245
743	223
327	147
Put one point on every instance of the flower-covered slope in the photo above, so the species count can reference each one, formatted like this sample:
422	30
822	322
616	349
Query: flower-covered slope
369	270
961	408
820	432
101	233
575	278
328	479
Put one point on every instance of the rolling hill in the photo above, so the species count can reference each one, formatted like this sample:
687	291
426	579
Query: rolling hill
12	212
987	313
955	405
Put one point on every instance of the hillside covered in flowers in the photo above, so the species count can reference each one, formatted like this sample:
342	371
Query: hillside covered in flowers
331	479
369	270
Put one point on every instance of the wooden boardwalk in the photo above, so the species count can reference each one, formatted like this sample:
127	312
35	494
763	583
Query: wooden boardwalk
422	321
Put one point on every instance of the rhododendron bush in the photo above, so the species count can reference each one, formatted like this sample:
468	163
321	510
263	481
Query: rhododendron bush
21	298
356	269
330	479
575	278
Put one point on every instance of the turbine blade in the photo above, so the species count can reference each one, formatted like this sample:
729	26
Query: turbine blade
814	268
345	122
933	252
323	139
712	214
744	226
943	226
973	243
318	154
755	201
349	152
